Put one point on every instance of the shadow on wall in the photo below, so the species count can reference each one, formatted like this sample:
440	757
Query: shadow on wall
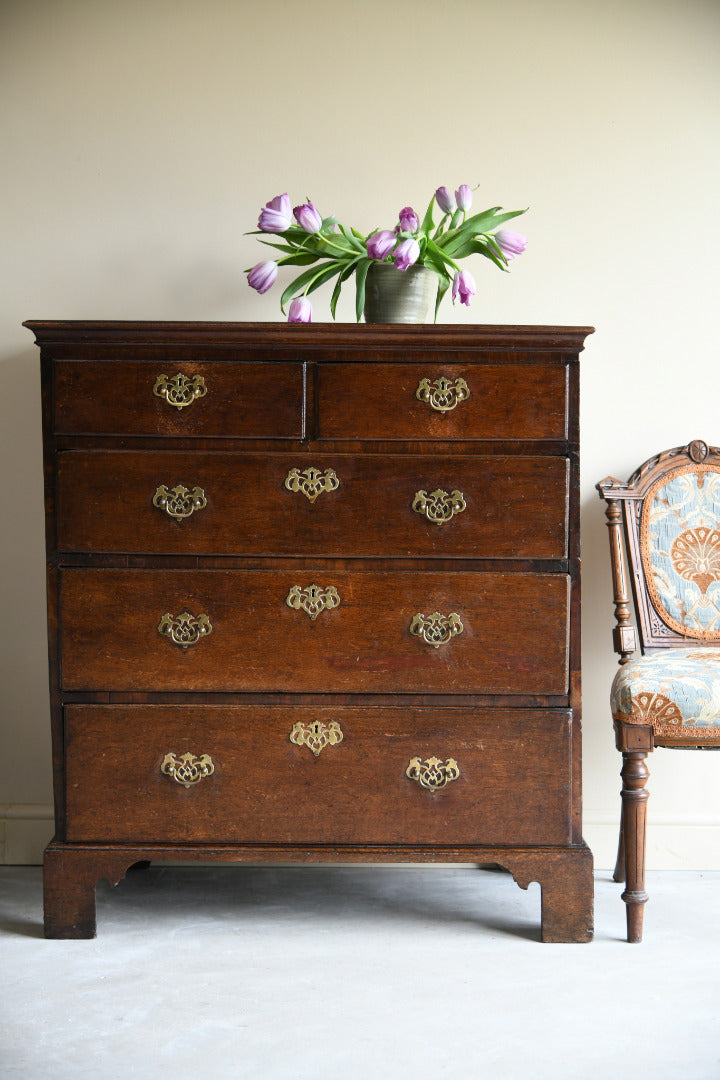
23	644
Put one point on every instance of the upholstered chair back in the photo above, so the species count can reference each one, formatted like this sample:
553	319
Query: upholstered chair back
670	510
680	549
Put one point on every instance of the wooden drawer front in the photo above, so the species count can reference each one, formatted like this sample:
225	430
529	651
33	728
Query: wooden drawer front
376	401
513	639
514	507
252	400
513	785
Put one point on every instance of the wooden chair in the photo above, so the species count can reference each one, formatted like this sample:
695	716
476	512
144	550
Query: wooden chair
669	513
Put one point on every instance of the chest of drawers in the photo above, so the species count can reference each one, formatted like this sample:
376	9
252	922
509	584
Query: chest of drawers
313	595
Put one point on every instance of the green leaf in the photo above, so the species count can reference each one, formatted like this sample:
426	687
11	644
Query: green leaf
299	259
455	239
435	263
440	256
460	244
295	258
302	283
480	222
489	219
335	245
356	240
361	274
324	275
427	221
347	271
442	290
491	241
443	222
280	247
445	241
461	247
293	233
490	251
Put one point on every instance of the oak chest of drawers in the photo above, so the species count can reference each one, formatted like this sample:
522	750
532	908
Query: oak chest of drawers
313	595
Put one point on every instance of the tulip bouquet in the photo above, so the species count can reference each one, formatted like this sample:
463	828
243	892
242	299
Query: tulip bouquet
331	250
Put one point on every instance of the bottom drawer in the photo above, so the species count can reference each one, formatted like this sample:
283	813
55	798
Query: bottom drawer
173	774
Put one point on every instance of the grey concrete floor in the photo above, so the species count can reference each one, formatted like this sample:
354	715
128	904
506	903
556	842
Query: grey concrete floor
348	973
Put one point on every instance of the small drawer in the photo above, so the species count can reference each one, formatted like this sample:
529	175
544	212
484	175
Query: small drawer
247	504
439	400
315	776
203	398
321	630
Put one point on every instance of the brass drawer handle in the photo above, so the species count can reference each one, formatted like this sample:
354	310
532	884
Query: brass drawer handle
311	482
316	735
436	629
179	391
442	394
439	507
432	773
187	769
313	599
179	502
184	629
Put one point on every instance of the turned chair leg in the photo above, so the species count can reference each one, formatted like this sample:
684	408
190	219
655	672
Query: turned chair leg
633	829
619	871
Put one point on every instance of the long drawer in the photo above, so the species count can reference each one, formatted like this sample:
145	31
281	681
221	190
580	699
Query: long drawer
442	400
296	775
179	399
320	630
396	505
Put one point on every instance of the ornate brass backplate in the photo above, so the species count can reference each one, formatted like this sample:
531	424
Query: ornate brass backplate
179	391
187	770
179	502
184	629
311	482
438	506
436	629
313	599
316	735
443	394
432	773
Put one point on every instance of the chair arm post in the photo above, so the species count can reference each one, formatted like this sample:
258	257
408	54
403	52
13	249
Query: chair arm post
623	634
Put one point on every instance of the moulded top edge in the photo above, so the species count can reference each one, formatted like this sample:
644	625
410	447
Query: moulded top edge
292	335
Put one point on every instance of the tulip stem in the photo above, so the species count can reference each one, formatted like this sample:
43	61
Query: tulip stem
338	247
321	236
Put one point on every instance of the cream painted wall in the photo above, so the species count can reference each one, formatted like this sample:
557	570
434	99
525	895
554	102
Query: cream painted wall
140	139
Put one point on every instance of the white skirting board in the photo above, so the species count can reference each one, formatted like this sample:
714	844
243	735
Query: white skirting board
25	829
688	844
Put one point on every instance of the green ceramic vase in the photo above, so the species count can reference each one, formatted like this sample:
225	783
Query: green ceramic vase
400	296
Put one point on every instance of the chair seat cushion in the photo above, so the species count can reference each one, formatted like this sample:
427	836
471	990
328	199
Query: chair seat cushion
675	690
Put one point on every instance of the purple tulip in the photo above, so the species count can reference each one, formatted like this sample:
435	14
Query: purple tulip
409	221
406	253
463	197
463	286
300	310
380	244
307	217
277	215
444	200
262	276
511	243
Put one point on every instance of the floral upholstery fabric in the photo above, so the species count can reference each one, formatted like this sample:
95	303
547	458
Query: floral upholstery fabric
675	690
680	545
